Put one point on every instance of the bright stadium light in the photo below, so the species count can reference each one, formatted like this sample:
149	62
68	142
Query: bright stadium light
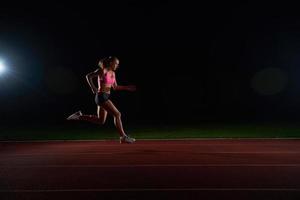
2	67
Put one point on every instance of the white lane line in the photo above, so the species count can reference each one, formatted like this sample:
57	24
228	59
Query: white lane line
148	190
150	165
58	154
162	151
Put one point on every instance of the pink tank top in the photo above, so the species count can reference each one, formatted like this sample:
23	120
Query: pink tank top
106	79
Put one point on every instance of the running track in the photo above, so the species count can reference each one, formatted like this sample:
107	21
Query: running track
192	169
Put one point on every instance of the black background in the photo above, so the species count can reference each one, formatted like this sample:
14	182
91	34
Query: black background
191	62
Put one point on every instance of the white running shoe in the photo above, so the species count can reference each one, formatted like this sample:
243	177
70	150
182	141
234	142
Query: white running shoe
127	139
75	116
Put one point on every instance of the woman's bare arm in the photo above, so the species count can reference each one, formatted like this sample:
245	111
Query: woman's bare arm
131	88
90	76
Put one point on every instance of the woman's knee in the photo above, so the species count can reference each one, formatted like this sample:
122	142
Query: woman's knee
117	114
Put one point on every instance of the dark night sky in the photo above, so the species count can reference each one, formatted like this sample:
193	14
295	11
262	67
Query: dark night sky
223	60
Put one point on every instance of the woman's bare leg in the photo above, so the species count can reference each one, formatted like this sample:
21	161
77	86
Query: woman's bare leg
111	109
102	114
99	119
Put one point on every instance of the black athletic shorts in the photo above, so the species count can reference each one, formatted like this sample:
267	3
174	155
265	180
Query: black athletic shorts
101	97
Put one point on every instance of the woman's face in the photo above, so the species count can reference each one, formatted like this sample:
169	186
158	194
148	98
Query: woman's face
114	64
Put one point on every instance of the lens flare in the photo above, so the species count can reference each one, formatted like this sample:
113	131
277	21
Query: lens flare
270	81
2	67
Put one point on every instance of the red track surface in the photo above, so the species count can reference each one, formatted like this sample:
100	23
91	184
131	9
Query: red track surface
198	169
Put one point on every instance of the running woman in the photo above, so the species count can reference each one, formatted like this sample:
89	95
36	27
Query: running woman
106	81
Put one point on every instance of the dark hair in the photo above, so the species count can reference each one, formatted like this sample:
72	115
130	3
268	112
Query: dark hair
107	60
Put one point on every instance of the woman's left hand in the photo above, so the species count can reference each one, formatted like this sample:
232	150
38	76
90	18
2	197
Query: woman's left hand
131	88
